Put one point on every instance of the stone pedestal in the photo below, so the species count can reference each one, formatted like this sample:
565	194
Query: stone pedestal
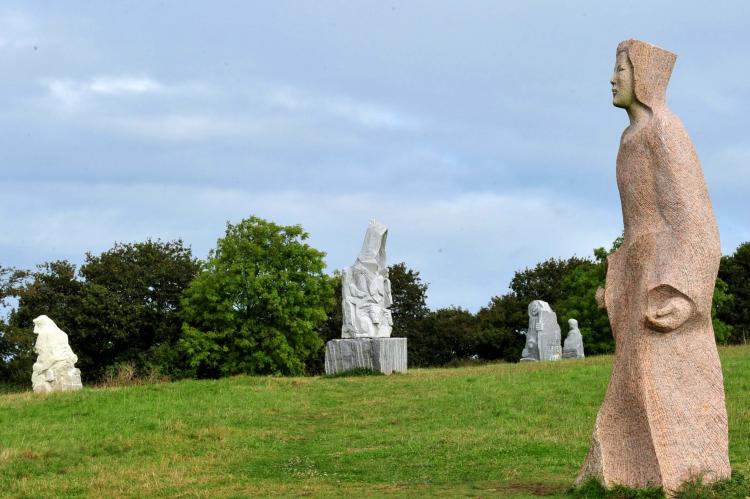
385	355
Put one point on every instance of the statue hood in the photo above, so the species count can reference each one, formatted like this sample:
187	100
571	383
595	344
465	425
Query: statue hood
372	254
652	68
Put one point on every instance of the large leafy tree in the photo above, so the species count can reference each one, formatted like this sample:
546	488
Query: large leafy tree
120	307
144	281
255	306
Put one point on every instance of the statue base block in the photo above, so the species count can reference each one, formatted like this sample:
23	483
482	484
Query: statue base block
385	355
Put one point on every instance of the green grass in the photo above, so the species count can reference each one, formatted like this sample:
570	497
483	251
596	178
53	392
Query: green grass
501	430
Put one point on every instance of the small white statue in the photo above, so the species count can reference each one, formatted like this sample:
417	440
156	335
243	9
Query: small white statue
54	369
573	346
366	289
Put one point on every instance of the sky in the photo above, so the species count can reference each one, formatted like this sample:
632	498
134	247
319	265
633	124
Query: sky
480	132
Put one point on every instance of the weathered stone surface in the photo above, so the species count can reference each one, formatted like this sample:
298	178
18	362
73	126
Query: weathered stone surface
54	369
573	346
664	418
366	289
386	355
543	334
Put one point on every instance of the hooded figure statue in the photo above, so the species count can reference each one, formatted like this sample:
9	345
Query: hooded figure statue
54	369
663	420
573	345
366	290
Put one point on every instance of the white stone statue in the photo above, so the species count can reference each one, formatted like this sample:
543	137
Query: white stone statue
543	335
366	290
54	369
573	346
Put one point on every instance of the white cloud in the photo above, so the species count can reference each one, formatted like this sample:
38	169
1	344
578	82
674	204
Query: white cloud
70	94
124	85
363	113
184	127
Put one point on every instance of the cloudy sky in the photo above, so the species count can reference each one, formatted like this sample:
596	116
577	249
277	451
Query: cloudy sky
480	132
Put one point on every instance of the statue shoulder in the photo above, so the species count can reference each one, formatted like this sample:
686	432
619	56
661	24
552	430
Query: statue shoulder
665	127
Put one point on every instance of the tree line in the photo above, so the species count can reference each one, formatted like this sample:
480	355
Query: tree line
261	303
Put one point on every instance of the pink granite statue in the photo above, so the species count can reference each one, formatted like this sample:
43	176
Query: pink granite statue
663	420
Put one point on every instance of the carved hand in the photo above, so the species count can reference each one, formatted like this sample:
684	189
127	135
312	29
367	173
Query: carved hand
600	298
666	314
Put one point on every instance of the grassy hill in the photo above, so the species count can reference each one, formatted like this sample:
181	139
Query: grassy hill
497	430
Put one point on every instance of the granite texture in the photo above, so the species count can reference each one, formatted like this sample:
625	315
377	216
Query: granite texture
663	420
543	334
573	346
386	355
54	369
366	289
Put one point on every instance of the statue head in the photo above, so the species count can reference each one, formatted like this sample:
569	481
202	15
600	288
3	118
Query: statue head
641	74
536	307
372	255
572	324
44	325
49	336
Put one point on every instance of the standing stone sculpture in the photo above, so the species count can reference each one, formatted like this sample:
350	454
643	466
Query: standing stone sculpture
367	321
543	334
366	290
54	369
573	346
664	419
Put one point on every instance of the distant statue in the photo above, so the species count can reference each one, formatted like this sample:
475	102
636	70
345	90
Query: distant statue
664	419
573	346
54	369
366	289
543	334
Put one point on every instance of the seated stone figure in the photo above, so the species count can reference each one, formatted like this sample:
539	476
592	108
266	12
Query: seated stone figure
54	369
366	289
573	346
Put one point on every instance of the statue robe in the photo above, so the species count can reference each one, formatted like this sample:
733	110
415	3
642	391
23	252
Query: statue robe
664	418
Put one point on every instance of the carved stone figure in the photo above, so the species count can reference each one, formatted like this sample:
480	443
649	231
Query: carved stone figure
54	369
573	346
366	290
664	418
543	334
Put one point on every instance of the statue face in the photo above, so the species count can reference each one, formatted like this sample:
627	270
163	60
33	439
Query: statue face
623	83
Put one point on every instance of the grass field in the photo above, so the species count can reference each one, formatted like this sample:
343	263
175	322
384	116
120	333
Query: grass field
502	430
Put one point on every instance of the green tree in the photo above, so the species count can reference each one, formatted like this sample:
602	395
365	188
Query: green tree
409	310
255	307
445	335
330	328
146	281
409	299
578	288
11	346
735	272
499	326
121	307
543	281
723	302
